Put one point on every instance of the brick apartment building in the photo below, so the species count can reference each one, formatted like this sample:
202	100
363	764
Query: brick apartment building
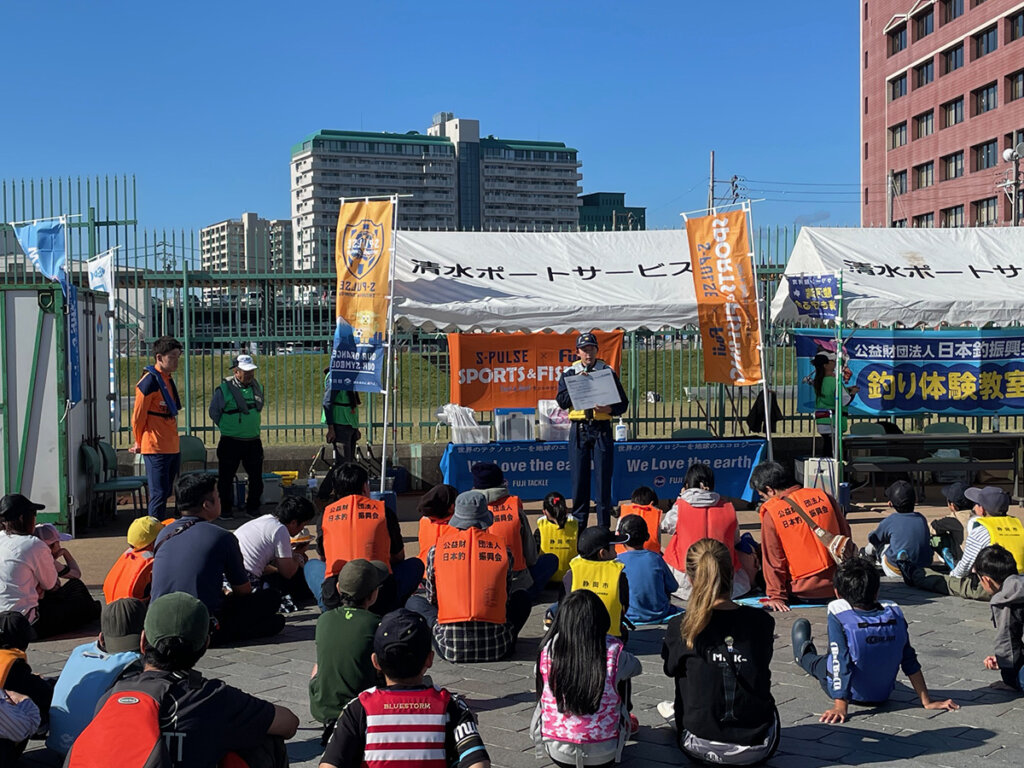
942	92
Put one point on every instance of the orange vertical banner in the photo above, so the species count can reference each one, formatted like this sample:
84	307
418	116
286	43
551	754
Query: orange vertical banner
723	276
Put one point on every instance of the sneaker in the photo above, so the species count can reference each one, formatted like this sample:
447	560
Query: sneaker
801	638
667	709
906	568
634	725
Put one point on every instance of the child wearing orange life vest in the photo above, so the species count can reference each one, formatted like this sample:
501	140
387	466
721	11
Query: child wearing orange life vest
557	533
436	508
644	503
582	714
132	573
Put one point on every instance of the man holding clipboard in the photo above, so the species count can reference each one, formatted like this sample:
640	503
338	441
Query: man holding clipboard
592	393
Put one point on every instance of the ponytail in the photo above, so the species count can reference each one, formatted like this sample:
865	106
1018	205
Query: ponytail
709	567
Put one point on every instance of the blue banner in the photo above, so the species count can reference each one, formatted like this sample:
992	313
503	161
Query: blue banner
74	348
908	371
43	244
354	365
532	470
815	295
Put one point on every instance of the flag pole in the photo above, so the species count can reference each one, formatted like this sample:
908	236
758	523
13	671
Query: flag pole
390	340
760	335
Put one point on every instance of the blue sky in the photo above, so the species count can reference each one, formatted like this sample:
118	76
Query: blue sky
203	101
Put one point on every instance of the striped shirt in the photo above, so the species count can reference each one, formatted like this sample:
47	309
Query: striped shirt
977	539
17	721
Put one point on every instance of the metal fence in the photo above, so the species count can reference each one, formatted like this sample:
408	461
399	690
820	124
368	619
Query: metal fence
262	305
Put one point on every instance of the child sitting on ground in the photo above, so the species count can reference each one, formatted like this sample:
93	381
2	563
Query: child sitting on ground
582	715
901	536
997	572
132	573
597	569
651	582
15	673
869	643
436	508
644	504
557	533
376	725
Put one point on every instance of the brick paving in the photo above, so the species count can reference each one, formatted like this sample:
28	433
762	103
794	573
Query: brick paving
951	636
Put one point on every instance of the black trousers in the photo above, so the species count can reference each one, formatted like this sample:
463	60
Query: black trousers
66	608
249	617
230	453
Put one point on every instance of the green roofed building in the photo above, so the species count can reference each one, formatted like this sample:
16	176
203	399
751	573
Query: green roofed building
455	179
607	211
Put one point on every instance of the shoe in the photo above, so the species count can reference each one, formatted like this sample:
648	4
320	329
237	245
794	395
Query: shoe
906	568
634	725
801	637
228	515
667	709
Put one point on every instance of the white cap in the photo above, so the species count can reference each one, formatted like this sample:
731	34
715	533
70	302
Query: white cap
244	363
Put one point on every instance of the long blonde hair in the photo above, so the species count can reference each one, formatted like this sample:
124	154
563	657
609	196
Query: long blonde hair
709	566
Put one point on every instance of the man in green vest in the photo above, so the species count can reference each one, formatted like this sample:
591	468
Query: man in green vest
235	409
341	415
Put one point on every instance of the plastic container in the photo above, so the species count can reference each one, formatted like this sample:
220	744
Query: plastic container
552	422
273	491
621	432
474	434
553	433
514	425
287	476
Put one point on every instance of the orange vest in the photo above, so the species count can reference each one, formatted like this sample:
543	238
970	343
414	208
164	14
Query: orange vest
7	658
696	523
470	574
651	516
430	529
805	552
355	527
507	526
130	576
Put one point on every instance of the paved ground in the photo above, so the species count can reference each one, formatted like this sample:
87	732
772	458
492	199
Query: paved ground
951	636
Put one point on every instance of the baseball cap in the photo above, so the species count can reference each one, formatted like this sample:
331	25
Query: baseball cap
402	643
48	533
437	501
178	615
993	500
586	340
14	505
143	531
121	624
902	495
825	354
954	494
471	509
244	363
634	528
595	538
358	578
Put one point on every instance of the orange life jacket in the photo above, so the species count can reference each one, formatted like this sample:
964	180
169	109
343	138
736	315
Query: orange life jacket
430	529
355	527
470	573
7	658
130	576
508	527
805	553
696	523
651	516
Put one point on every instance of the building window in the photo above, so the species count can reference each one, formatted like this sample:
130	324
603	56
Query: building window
897	87
985	155
899	183
985	211
1015	86
925	220
986	99
952	217
953	166
952	9
924	73
953	112
900	224
924	125
1015	27
986	42
924	24
865	150
924	175
898	135
865	59
898	40
952	59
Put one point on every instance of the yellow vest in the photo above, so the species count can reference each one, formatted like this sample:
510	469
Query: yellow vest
560	542
1008	533
576	415
602	578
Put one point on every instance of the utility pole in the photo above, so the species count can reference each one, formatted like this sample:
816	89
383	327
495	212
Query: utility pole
711	184
890	182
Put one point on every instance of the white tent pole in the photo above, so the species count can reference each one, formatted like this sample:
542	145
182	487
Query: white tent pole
390	341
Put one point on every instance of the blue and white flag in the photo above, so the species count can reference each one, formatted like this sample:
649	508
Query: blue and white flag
101	272
43	243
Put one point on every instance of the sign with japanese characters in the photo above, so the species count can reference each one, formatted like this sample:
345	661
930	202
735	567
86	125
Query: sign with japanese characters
815	295
363	262
901	372
515	370
726	290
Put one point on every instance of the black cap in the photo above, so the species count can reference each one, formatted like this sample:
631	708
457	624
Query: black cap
15	505
994	501
438	501
594	539
402	643
901	494
635	527
954	494
586	340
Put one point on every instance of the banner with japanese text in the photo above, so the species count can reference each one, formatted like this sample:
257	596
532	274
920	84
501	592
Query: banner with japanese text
515	370
905	371
726	289
363	262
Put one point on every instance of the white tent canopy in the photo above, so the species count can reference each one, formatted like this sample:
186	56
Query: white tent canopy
912	277
558	281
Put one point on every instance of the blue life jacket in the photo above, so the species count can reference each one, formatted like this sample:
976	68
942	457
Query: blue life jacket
876	642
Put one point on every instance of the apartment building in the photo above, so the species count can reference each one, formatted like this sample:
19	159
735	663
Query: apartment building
607	211
244	246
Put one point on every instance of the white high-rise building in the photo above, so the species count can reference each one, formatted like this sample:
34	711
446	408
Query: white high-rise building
243	246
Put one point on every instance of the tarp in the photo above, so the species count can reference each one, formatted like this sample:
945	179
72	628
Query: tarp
911	277
559	281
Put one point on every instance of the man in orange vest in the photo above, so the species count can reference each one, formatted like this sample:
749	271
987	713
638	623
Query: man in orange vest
530	571
796	563
356	526
155	423
469	601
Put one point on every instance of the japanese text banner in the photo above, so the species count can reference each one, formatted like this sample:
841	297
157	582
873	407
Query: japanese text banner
363	262
902	372
724	281
516	370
